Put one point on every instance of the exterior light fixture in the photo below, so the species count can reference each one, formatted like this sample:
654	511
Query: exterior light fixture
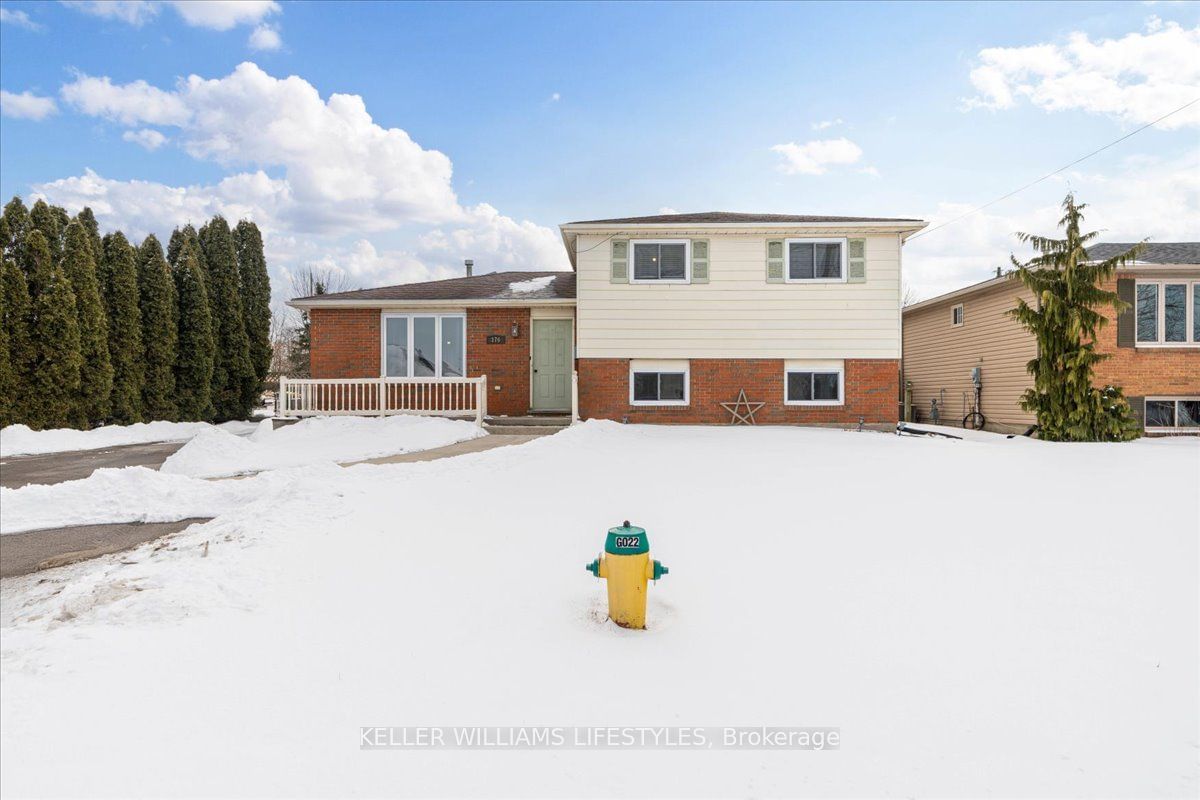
516	330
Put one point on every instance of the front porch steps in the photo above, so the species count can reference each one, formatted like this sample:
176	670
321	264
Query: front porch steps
532	425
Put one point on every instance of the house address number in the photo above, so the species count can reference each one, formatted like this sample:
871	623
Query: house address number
495	339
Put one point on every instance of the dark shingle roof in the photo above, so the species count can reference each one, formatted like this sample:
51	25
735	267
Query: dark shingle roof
492	286
1152	252
731	217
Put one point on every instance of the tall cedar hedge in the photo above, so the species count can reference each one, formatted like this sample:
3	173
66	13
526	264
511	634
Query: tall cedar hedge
93	330
156	292
118	278
96	372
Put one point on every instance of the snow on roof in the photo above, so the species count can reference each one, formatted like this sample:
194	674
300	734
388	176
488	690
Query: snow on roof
532	285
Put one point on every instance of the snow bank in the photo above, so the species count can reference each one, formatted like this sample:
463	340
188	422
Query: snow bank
215	453
980	618
20	440
531	285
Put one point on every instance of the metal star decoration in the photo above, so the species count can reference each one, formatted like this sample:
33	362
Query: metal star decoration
742	417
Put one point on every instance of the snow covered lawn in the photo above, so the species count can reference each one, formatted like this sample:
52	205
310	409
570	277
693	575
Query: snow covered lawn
215	453
20	440
985	617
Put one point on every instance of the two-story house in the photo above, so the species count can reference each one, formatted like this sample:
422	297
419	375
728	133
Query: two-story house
663	319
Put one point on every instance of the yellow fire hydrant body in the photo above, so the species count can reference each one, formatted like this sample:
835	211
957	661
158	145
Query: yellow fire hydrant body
627	566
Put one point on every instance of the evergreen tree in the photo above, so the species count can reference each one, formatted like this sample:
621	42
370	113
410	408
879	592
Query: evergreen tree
8	376
1065	321
194	354
17	313
233	376
159	331
96	372
43	218
15	224
88	220
256	301
54	380
119	286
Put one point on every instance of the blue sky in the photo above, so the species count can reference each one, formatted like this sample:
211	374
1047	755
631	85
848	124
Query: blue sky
478	128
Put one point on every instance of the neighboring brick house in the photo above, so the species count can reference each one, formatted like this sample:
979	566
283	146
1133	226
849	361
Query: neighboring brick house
1154	347
663	319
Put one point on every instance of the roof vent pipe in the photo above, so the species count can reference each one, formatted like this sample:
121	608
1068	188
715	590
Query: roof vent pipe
470	263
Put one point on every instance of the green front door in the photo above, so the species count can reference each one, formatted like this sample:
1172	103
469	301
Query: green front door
551	365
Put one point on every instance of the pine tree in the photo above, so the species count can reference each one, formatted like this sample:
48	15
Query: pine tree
159	331
42	217
194	354
233	375
119	286
17	313
88	220
1065	322
8	377
54	379
15	223
256	301
96	373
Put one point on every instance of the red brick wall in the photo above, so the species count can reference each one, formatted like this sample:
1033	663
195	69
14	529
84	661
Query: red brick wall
1143	372
872	387
506	365
345	342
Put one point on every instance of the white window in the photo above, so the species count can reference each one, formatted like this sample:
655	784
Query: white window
1167	313
816	260
658	383
1173	413
661	260
424	346
956	316
813	383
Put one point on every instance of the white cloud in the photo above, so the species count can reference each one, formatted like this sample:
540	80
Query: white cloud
1146	197
555	97
131	12
666	210
815	157
335	176
1135	79
265	37
129	104
10	16
26	105
826	124
146	137
221	15
217	15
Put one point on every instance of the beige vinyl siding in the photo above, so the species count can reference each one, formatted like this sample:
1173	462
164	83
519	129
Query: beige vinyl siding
939	356
737	314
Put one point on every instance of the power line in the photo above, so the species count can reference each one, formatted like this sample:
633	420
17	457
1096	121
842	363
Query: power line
1052	174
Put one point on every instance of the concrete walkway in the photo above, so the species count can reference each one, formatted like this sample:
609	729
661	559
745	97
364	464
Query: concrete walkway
457	449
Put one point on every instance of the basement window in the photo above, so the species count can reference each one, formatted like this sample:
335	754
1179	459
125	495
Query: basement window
813	383
1173	413
658	383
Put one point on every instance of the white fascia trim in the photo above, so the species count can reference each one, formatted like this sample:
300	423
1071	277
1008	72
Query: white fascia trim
703	226
963	292
402	304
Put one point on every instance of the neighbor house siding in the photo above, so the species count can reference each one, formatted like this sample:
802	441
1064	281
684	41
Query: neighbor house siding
939	357
737	314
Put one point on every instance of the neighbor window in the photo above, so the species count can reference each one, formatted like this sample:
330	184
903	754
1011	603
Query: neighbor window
665	260
1173	413
813	383
956	316
424	346
658	383
816	259
1167	312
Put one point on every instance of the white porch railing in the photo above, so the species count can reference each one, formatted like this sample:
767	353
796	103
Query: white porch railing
370	397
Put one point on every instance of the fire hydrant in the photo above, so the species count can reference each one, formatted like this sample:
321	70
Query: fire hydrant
627	566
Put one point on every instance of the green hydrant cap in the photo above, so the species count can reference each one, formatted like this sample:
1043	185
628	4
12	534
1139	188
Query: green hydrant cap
627	540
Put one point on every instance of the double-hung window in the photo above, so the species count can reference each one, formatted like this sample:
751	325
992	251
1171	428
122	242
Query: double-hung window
813	383
660	260
1167	313
1174	413
424	346
816	260
658	383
